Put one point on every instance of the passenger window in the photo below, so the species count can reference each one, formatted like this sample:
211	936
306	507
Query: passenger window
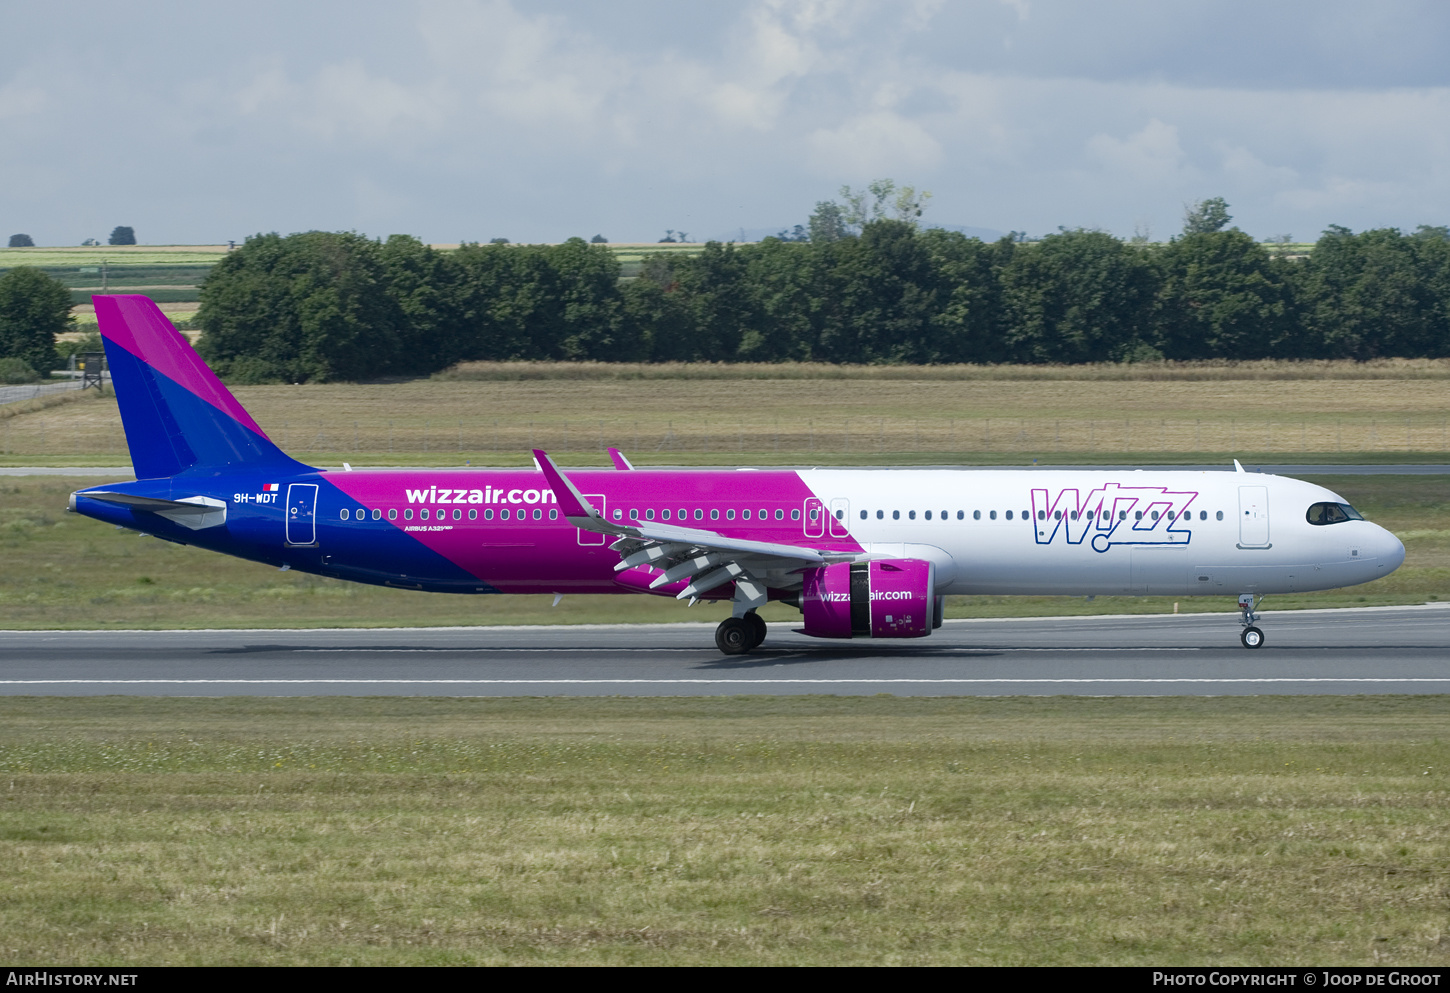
714	513
457	514
377	514
488	514
554	513
699	514
472	514
1218	515
880	514
684	514
392	513
1057	515
763	515
745	515
927	515
863	515
503	514
992	515
618	514
730	513
976	515
423	514
795	515
896	515
961	515
1137	515
633	513
538	514
779	514
346	513
1009	515
1042	515
1122	515
1155	515
911	514
1203	515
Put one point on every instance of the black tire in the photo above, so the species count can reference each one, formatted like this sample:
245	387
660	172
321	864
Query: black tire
1252	637
757	629
733	636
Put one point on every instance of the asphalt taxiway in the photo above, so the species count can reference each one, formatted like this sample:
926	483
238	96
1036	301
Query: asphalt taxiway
1370	650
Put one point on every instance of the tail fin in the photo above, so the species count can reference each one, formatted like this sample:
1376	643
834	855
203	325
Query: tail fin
177	414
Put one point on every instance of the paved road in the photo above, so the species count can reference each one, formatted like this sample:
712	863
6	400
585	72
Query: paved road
1375	650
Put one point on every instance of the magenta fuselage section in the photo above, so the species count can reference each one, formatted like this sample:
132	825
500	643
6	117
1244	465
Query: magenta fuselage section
506	526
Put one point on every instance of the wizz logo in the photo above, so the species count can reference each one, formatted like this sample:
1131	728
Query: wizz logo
1114	515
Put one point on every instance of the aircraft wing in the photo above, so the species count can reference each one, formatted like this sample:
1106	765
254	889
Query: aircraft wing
702	558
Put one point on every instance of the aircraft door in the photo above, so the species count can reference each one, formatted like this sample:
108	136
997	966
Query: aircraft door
1253	517
596	500
840	516
814	524
301	513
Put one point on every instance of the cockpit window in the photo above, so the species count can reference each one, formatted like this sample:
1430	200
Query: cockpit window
1332	513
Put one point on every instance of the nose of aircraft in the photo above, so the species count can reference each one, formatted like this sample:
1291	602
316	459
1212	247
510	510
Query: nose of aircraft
1388	551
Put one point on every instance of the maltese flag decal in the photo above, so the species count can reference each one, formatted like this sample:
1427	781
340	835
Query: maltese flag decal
269	487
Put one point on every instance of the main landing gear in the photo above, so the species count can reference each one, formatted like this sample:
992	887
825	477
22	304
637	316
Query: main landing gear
1251	636
738	635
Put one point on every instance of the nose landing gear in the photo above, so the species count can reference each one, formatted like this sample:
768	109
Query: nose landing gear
1251	636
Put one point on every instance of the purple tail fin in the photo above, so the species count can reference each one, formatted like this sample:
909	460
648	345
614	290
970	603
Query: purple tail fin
178	416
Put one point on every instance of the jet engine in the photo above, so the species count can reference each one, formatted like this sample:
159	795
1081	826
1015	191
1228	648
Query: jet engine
887	598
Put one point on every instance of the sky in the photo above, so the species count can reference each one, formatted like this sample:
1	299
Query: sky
466	120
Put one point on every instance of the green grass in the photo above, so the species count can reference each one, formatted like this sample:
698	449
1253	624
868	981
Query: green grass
728	831
73	572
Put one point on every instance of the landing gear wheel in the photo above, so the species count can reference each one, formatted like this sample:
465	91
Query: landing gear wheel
733	636
757	629
1252	637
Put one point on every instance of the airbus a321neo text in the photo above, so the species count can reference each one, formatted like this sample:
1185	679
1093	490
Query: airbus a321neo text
861	553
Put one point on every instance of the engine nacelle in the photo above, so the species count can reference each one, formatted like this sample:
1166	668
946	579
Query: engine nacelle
887	598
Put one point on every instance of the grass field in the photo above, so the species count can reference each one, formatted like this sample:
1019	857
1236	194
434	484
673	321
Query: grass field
79	573
732	831
882	420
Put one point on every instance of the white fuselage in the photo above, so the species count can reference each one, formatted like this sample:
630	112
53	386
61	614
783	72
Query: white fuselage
1106	532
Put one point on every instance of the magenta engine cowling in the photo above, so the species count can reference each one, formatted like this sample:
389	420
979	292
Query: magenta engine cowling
889	598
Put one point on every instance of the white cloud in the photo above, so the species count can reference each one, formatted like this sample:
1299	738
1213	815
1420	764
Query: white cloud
878	143
1151	155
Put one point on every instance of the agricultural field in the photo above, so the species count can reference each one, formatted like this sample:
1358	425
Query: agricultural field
724	831
882	415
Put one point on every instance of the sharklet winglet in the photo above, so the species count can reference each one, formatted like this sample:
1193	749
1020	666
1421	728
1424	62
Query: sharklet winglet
571	502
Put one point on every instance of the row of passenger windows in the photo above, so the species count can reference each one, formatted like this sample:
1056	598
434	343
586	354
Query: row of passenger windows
1057	515
537	514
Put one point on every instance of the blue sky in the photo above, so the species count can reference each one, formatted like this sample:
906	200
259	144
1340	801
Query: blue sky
474	119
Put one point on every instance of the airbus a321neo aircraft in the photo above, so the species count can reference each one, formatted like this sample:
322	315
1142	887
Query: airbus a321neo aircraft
861	553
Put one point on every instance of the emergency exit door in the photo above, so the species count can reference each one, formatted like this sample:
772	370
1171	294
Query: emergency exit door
301	513
1253	517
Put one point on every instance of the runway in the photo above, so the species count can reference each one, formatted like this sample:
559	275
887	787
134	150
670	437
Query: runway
1373	650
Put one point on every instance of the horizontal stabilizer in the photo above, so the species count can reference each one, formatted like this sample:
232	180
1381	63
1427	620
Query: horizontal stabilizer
190	512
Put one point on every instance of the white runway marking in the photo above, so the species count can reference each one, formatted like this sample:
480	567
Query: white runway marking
712	651
658	682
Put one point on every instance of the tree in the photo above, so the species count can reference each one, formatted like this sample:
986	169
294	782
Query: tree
1378	293
21	241
1206	216
1224	296
307	307
599	239
34	308
1077	296
827	223
122	236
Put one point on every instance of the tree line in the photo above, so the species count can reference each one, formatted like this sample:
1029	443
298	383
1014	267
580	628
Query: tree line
319	306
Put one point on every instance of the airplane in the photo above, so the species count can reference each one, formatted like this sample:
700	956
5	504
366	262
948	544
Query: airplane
860	552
